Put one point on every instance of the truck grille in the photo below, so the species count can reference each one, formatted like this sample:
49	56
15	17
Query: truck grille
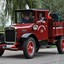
10	35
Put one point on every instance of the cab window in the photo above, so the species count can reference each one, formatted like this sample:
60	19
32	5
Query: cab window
25	16
41	16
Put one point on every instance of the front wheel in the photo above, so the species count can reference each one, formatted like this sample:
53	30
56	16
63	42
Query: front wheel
1	52
60	45
29	47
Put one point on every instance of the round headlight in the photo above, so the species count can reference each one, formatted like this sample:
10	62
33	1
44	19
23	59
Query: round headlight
35	27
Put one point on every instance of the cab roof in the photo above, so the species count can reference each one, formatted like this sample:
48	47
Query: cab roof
19	10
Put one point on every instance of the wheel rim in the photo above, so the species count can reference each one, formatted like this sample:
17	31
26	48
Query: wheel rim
30	48
63	44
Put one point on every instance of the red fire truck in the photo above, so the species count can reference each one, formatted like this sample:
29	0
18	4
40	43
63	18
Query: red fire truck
32	29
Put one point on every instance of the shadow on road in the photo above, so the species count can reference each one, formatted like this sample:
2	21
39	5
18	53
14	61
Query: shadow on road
18	56
21	56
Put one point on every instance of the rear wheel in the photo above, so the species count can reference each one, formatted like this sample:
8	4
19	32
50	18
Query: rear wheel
60	45
1	52
29	47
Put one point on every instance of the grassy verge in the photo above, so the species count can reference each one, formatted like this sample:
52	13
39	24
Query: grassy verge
53	46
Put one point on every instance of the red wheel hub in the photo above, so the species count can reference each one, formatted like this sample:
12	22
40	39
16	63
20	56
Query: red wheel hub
63	43
30	48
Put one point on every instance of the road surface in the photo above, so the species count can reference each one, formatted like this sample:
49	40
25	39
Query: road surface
44	56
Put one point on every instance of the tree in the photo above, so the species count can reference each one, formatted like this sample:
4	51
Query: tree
3	18
54	5
11	5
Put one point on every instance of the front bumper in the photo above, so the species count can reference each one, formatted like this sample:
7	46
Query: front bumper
13	47
8	47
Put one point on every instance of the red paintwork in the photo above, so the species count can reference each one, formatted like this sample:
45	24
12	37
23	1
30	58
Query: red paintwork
59	31
19	30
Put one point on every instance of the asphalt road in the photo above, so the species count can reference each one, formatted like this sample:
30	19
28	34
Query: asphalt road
44	56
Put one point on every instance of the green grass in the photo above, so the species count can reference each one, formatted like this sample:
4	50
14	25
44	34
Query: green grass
53	46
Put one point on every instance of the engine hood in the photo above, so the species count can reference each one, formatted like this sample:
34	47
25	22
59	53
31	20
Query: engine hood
22	26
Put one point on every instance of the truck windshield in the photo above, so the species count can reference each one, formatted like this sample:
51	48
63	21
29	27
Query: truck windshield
25	16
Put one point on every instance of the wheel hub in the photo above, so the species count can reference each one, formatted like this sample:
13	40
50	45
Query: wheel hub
30	48
63	44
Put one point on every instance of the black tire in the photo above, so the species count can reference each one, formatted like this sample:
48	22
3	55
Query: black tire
37	49
1	52
59	45
26	47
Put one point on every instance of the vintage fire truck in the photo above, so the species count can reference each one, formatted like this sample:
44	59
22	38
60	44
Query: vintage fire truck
30	32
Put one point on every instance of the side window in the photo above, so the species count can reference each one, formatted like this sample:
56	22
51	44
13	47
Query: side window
41	16
25	16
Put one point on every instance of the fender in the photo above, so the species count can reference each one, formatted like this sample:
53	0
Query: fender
26	35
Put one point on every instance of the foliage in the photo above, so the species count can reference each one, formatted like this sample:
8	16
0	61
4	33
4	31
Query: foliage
54	5
11	5
3	18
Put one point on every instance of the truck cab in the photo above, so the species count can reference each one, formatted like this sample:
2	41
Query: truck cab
32	29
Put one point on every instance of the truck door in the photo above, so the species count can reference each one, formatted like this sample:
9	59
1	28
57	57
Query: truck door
42	26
